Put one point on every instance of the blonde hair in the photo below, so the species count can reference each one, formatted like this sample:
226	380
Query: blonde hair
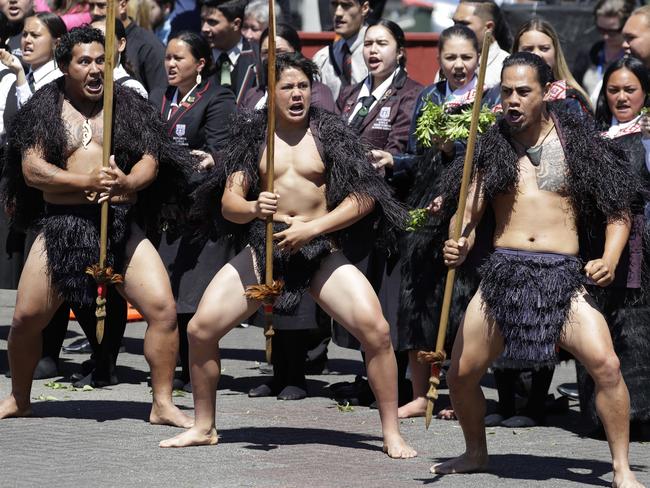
140	12
561	69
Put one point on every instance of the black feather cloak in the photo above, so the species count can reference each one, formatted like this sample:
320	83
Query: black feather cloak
348	171
137	130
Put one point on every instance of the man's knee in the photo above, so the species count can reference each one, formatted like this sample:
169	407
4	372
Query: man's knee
605	369
375	332
27	321
201	331
162	313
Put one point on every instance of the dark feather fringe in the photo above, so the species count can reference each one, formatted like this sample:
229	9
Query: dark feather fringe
347	170
529	299
295	270
424	273
138	130
628	317
600	184
71	235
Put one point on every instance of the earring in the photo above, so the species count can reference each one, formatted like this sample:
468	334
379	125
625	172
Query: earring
198	78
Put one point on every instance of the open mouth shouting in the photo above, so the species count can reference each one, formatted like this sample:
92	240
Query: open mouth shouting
374	63
514	116
95	86
297	109
459	77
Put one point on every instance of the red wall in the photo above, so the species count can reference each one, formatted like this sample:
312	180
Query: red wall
421	52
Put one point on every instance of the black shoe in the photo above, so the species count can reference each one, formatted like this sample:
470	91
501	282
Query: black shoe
46	368
264	390
568	390
317	366
80	346
96	382
292	393
266	368
357	393
178	383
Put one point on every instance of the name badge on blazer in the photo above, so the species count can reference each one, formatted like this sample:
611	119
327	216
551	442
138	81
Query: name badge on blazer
179	135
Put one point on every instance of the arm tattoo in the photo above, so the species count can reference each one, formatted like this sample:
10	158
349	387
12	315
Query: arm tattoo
41	173
551	173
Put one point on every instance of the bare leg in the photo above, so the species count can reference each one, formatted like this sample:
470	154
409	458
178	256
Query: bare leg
345	294
222	307
477	344
146	286
420	381
588	339
35	306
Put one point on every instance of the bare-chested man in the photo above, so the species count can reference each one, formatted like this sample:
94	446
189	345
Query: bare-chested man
324	183
547	177
55	157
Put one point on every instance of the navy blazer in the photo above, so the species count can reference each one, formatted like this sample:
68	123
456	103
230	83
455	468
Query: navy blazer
202	121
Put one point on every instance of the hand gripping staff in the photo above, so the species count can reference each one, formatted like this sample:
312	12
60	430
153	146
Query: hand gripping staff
436	358
271	289
104	275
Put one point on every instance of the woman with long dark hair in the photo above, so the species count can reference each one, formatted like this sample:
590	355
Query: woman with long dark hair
423	269
380	108
197	112
625	92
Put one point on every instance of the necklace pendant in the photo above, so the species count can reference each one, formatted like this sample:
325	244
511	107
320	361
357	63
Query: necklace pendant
535	154
86	134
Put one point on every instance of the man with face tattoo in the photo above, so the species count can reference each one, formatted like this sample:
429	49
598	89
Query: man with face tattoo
548	177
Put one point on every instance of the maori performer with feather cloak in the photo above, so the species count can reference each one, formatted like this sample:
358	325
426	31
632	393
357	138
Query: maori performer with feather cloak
626	85
548	178
325	191
55	181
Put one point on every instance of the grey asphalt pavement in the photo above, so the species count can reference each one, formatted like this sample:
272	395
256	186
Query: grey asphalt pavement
100	438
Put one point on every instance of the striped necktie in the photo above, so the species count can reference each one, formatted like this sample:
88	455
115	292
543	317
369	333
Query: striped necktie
31	81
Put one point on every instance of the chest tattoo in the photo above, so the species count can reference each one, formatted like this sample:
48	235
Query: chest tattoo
551	172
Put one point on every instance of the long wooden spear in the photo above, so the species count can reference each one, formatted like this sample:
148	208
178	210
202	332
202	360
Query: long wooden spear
438	357
104	275
271	288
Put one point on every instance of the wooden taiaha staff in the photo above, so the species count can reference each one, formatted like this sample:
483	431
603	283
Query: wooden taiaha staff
271	289
437	358
103	275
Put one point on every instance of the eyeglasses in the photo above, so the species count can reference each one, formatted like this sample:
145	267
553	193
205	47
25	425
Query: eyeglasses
609	32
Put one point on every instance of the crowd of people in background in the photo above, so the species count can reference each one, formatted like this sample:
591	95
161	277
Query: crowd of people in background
199	63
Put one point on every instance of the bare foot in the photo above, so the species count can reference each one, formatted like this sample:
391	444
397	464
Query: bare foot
397	448
461	464
169	415
9	408
192	437
446	414
625	479
414	408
